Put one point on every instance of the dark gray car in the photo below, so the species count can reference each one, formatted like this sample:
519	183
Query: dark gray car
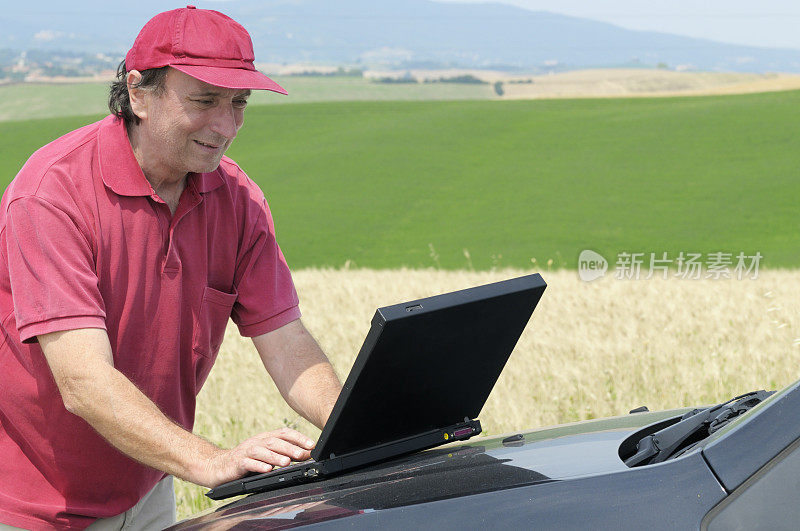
732	466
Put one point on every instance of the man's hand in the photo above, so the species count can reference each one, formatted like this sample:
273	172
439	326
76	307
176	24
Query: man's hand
258	454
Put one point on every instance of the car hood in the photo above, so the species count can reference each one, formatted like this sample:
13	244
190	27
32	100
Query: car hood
459	469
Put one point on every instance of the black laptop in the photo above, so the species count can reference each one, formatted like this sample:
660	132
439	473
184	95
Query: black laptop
422	376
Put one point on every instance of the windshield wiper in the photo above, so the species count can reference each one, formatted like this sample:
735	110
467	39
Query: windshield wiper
694	426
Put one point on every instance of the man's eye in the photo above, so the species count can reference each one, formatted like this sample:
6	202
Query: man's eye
205	102
241	104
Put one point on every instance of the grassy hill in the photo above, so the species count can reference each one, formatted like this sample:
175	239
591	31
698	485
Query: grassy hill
48	100
385	184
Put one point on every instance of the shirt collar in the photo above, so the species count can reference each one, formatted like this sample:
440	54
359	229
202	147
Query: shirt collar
121	171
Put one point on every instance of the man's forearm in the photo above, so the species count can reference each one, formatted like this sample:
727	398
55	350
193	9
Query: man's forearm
132	423
300	370
314	393
82	365
90	386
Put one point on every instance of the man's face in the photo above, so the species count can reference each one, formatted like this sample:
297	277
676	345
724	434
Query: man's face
190	125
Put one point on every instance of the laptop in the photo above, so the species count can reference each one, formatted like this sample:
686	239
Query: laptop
420	380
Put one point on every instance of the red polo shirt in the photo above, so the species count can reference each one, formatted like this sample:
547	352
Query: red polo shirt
86	243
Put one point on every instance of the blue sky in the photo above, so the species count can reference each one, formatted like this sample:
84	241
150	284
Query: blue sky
771	23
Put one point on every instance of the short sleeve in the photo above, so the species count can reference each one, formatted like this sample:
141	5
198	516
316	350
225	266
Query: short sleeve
51	270
267	298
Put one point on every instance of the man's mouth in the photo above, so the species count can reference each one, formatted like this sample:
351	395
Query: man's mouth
207	145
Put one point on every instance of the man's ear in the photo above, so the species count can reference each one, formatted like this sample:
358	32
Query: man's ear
138	96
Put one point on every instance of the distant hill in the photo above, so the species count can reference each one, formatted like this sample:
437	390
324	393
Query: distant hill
408	34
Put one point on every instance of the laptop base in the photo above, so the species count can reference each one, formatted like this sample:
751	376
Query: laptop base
333	465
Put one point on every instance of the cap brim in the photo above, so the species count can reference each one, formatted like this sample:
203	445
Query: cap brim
232	78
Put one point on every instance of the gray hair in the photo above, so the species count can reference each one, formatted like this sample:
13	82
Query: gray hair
119	101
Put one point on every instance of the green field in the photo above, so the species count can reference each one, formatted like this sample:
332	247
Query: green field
30	100
385	184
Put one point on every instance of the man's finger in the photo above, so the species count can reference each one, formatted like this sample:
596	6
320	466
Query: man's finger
269	455
286	448
254	465
292	436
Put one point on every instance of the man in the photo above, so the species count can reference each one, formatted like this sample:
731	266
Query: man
125	246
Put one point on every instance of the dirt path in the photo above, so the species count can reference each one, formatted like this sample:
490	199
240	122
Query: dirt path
641	83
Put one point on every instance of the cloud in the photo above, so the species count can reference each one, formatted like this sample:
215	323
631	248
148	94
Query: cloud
47	35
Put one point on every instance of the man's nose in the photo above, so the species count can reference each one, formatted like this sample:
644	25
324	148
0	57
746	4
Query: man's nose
224	122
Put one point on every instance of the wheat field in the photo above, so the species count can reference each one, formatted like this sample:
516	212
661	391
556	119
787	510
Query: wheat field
591	349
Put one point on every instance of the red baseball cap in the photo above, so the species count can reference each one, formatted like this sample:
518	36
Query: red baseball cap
202	43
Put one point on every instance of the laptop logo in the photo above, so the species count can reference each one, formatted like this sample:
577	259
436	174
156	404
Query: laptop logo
591	265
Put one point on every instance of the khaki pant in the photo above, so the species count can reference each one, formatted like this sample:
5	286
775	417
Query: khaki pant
153	512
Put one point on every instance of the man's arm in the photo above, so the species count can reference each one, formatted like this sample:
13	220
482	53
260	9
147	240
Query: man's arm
82	365
300	370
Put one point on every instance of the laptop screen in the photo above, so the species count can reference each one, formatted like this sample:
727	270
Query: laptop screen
428	363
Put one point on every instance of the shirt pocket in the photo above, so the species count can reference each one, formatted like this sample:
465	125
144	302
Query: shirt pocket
215	310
